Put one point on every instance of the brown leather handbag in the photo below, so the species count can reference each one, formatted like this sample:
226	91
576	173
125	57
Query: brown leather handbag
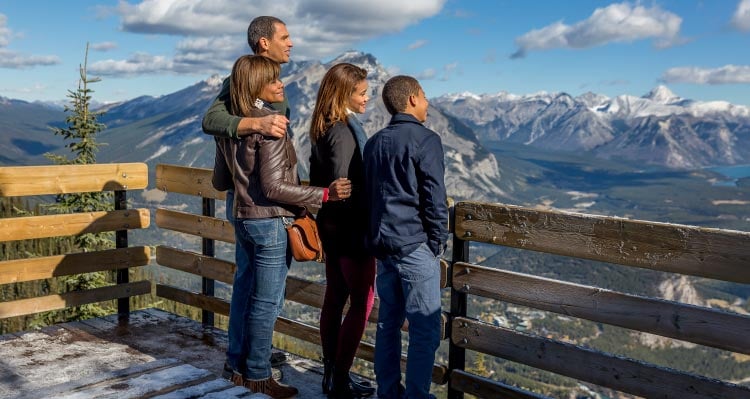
304	239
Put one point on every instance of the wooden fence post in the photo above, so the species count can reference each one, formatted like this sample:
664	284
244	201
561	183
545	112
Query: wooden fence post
456	354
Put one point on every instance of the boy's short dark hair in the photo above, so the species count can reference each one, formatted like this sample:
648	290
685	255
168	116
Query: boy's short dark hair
396	92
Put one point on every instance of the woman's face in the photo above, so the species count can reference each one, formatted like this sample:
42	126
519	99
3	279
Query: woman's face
358	99
273	92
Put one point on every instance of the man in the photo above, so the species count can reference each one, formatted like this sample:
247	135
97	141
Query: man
406	195
266	36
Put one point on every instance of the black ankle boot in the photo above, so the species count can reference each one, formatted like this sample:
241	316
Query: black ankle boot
350	390
327	383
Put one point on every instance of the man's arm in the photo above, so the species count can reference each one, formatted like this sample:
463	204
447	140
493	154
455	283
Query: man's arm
219	122
432	193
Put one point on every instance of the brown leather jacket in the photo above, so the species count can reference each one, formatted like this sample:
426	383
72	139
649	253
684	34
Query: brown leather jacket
264	174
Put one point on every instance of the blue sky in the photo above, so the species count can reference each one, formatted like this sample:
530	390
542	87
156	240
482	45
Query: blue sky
699	49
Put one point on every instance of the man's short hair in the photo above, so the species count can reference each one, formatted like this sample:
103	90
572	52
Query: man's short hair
260	27
396	92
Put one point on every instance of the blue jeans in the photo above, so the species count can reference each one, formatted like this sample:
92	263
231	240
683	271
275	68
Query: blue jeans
240	293
263	262
408	288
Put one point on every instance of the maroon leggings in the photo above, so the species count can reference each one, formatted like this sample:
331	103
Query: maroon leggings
353	279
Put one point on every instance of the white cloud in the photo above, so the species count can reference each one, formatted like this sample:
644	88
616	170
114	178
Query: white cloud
104	46
318	29
5	32
417	44
622	22
427	74
15	60
36	88
741	17
137	64
728	74
192	56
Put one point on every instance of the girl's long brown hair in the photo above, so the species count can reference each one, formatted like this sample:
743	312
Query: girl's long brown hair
337	86
250	74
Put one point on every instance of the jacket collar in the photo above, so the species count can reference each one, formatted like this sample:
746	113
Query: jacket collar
404	118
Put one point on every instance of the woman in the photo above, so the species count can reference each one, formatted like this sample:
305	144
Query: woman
338	140
267	196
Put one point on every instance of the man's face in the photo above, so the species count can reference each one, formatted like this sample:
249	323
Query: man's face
279	47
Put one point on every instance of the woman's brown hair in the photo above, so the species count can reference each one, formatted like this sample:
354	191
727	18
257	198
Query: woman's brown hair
250	74
337	86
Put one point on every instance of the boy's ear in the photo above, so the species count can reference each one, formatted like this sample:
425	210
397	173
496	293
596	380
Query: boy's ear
412	100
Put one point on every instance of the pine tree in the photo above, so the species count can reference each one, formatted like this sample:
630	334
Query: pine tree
81	130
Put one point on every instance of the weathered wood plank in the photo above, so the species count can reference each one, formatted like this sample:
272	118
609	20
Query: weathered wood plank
685	322
187	180
100	377
714	253
197	225
13	271
69	299
29	227
144	385
219	388
486	388
191	262
213	304
616	372
63	179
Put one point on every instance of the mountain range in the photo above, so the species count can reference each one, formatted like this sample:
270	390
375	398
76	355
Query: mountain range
659	128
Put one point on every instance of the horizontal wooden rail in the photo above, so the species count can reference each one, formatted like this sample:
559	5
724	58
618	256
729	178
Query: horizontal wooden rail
297	289
64	179
28	306
29	227
713	253
187	180
703	326
197	225
18	270
194	263
486	388
616	372
210	303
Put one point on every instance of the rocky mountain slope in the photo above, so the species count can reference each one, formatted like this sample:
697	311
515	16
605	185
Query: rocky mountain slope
659	128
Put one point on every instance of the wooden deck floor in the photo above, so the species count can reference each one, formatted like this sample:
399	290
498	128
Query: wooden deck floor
155	355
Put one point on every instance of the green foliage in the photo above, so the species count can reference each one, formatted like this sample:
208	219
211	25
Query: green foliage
80	135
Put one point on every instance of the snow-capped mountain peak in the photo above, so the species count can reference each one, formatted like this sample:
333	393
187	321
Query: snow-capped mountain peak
661	94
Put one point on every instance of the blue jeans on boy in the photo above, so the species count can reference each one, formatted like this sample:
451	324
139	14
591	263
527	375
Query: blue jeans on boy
265	243
408	288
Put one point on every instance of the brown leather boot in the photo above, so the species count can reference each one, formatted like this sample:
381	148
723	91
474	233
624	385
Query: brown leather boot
237	379
272	388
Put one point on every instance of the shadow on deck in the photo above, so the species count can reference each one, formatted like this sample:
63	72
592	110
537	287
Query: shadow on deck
155	355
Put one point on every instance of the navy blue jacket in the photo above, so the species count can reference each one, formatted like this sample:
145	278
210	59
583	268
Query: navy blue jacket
405	187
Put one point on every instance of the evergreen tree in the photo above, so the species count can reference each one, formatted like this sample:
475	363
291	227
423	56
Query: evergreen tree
80	132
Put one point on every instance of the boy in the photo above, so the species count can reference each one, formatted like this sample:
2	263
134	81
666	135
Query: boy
406	195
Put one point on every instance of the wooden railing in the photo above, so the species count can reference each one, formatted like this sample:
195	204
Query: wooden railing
713	253
686	250
53	180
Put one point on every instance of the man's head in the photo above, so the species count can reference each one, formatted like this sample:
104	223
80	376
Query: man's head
404	94
268	36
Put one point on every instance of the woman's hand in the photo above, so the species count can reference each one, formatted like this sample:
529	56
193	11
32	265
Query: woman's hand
340	189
